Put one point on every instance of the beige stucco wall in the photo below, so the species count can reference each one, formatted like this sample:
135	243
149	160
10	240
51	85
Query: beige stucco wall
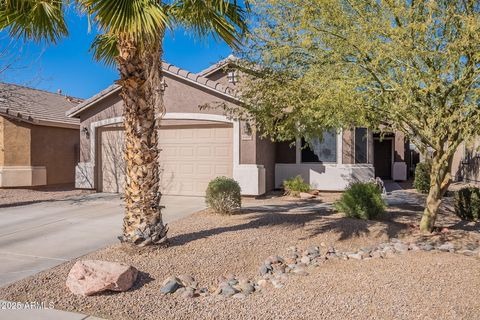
16	143
110	107
56	149
221	76
248	151
26	148
399	146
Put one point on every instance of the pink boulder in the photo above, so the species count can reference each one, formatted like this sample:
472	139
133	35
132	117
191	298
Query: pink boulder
304	195
92	276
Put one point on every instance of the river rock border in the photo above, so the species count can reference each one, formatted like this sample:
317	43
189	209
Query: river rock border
275	269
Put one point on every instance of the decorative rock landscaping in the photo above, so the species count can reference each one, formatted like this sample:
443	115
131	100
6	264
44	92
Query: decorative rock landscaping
275	269
434	284
89	277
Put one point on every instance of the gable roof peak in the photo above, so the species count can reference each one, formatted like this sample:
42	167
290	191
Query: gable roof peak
168	69
230	59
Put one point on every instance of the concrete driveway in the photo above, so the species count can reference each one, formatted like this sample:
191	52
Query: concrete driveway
39	236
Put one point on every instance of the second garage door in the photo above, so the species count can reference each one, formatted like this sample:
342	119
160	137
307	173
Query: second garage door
191	156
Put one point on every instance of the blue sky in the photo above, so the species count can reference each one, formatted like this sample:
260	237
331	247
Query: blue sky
70	67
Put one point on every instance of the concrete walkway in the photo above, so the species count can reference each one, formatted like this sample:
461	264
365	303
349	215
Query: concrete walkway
396	195
40	236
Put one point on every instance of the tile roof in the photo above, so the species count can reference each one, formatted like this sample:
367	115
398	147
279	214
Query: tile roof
169	69
36	106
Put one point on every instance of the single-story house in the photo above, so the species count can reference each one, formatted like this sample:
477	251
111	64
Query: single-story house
39	144
199	144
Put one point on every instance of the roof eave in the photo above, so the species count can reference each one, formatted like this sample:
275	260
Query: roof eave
28	119
73	112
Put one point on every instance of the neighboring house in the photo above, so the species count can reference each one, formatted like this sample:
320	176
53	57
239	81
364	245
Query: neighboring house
199	144
38	142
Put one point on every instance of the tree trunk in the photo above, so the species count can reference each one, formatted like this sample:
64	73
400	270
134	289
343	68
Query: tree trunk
440	178
141	76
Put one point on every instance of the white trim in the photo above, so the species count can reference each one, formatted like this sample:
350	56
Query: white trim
93	133
298	150
328	176
23	176
251	178
340	146
196	116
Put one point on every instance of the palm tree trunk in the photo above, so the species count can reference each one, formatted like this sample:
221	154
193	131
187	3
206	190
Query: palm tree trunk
141	76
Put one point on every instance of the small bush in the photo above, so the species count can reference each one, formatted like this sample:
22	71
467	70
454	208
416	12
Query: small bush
361	200
422	177
223	195
467	203
295	185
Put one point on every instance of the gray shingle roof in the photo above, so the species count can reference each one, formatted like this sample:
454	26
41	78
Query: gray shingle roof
169	69
35	105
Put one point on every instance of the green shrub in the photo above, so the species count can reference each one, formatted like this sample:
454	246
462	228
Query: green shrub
467	203
295	185
361	200
422	177
223	195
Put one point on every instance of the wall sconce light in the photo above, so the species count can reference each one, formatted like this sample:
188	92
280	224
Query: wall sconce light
86	132
163	85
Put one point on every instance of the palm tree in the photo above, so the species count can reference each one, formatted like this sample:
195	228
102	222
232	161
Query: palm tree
130	35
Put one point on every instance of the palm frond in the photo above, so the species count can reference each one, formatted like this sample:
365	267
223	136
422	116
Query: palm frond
39	20
104	48
142	20
224	19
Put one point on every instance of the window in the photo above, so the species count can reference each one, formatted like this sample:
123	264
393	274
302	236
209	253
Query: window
361	145
317	150
232	76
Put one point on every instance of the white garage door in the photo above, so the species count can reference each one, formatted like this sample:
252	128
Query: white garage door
190	157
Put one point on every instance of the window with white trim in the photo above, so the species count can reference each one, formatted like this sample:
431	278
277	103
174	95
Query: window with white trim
320	150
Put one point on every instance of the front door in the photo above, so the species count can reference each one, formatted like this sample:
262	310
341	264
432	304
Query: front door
382	159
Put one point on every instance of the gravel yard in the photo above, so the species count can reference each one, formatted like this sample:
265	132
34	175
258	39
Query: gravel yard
20	196
416	285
